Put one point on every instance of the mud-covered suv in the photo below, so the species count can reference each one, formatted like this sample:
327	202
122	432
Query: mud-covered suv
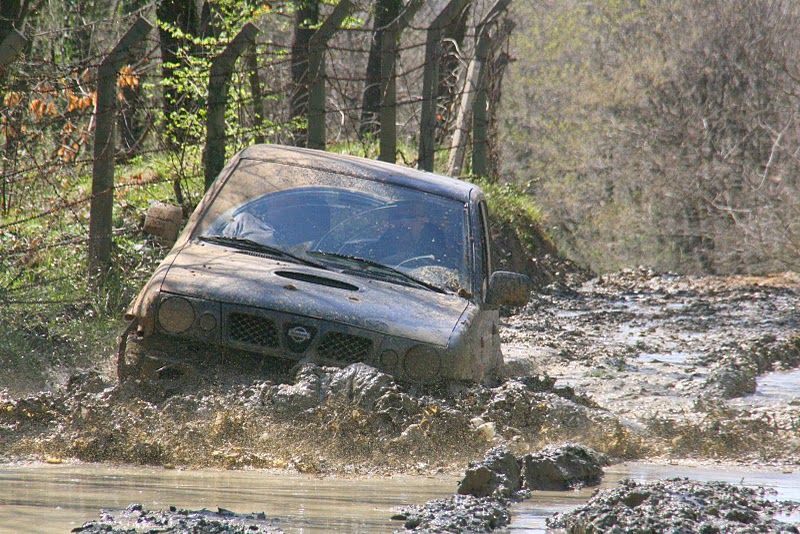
302	254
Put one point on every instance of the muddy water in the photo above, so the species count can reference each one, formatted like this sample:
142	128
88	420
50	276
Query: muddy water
45	498
778	386
57	498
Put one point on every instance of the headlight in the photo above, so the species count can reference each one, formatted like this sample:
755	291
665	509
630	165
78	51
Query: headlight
207	322
175	314
422	363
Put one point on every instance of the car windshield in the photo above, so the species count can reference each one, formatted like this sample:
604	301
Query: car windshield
343	222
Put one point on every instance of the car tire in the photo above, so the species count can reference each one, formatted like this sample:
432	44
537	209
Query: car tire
154	359
136	362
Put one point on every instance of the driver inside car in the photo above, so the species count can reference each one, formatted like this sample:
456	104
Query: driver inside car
410	235
247	226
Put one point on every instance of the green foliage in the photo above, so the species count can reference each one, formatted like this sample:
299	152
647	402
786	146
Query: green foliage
189	80
510	206
650	130
53	318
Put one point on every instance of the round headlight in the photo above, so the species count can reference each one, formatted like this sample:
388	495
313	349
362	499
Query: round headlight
207	322
175	315
422	363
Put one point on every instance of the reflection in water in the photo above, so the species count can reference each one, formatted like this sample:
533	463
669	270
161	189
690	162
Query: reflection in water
45	498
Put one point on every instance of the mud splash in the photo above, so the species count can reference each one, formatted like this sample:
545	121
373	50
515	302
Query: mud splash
354	420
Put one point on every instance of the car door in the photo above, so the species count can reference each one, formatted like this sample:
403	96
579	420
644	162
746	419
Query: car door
489	317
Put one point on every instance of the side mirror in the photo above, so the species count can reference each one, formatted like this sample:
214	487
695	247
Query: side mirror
508	289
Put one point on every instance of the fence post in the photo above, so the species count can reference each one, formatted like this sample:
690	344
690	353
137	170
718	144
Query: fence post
218	80
475	81
11	47
480	113
316	73
388	107
102	203
255	90
430	81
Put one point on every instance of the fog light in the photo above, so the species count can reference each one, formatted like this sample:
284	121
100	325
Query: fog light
207	322
422	363
175	315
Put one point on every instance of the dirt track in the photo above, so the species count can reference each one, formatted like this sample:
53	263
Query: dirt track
687	362
657	365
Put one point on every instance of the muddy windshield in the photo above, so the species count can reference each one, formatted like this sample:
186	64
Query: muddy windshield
342	222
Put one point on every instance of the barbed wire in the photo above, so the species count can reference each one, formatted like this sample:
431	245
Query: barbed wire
48	120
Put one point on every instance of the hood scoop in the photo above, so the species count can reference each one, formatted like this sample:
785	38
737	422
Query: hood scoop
313	279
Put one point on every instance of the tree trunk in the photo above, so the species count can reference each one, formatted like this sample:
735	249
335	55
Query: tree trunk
449	68
386	11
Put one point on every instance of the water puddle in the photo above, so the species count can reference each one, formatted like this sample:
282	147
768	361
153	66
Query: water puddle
57	498
780	385
677	357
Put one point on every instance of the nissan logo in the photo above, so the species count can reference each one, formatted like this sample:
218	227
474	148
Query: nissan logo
299	334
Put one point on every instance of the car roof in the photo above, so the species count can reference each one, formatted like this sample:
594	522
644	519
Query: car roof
362	167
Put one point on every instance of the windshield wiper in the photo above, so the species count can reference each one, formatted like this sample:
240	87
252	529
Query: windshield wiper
254	246
385	269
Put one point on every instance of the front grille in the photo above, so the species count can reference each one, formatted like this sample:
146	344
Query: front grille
344	347
252	329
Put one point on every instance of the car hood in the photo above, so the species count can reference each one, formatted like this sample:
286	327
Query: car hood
240	277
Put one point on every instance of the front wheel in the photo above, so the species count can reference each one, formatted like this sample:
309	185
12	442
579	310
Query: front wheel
134	362
151	359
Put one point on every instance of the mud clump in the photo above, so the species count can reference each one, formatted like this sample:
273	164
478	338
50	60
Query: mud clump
678	505
175	520
733	379
459	513
490	486
561	468
497	474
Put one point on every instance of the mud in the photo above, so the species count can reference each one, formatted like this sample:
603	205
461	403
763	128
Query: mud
677	359
562	468
680	505
459	513
491	485
177	520
354	420
631	365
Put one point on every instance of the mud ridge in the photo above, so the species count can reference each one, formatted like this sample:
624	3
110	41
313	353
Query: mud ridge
679	505
178	520
678	358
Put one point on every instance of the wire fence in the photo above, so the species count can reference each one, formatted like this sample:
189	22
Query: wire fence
49	120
